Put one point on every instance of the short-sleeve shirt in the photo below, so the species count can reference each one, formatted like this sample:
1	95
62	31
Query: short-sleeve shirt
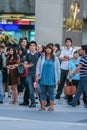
72	64
83	62
66	52
32	59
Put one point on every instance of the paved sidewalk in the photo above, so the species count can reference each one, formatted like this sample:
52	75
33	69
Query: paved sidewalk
64	117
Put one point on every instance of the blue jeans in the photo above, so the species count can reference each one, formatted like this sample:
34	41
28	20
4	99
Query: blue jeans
45	89
1	88
29	82
82	86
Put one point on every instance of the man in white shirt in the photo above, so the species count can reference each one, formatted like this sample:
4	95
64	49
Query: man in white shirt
65	56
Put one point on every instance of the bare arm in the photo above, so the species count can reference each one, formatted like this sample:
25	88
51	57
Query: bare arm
76	70
65	58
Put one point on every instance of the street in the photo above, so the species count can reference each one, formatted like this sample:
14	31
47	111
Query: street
64	117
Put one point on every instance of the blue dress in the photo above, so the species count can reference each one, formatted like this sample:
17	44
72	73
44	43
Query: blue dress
48	73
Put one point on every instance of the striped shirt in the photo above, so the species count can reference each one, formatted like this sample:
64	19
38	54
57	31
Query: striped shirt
83	62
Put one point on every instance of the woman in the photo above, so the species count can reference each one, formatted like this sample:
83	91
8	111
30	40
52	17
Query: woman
13	78
48	75
72	64
21	86
57	49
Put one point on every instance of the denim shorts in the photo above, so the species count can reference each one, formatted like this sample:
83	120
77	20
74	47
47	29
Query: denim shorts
47	90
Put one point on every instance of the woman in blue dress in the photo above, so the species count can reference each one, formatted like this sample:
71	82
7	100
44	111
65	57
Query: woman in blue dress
48	75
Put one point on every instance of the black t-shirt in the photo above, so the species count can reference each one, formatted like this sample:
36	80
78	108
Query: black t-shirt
32	59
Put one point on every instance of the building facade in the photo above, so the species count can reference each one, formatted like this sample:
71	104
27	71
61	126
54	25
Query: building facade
48	22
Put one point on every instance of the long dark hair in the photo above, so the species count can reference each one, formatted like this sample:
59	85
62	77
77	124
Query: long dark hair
50	47
14	53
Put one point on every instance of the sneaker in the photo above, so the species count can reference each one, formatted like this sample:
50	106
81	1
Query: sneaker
32	105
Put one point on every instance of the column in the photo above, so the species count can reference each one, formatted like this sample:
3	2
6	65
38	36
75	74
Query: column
49	21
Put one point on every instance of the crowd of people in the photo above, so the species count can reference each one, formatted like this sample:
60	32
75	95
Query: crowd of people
46	68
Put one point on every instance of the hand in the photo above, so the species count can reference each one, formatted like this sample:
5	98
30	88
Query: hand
58	81
70	80
37	78
71	75
31	64
67	57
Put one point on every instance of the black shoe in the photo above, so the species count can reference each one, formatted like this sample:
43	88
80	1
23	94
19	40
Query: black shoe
69	103
85	105
66	97
57	97
78	103
1	102
32	105
24	104
73	105
9	96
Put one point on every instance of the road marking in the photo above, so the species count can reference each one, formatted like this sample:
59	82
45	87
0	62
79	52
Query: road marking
38	121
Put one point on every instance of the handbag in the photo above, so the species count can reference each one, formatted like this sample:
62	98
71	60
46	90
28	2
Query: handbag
70	89
73	89
25	74
21	69
67	90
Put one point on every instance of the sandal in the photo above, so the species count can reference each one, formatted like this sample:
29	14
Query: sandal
15	102
50	109
12	102
42	109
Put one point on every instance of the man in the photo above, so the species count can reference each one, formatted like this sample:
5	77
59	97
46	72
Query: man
31	61
65	56
82	86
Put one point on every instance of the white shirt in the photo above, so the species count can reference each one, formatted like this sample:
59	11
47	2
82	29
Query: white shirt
66	52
